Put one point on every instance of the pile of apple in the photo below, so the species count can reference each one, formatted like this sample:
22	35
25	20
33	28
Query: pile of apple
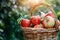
38	22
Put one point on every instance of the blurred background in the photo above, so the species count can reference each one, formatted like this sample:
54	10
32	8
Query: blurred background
12	11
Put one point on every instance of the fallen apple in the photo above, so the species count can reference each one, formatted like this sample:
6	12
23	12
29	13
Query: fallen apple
48	22
35	20
25	23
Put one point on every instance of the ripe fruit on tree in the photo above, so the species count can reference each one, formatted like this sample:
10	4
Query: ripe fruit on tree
25	23
48	22
35	20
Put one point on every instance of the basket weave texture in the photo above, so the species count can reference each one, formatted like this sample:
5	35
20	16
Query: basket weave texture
41	33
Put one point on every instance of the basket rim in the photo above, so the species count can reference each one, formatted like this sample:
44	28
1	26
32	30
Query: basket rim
39	29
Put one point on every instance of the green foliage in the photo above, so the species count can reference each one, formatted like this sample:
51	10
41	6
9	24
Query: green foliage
9	27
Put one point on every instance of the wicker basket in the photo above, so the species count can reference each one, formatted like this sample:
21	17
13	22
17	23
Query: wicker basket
41	33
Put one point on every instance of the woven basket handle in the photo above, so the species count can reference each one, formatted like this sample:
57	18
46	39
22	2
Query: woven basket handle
39	5
49	7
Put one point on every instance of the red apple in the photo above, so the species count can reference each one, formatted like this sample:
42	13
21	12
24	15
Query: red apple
50	14
25	23
35	20
48	22
38	26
